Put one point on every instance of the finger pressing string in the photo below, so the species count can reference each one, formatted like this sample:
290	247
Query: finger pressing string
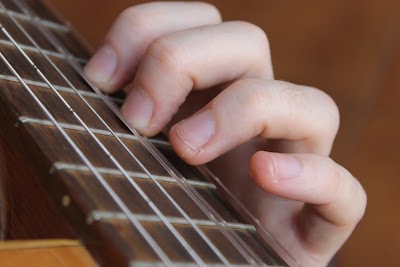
251	108
197	59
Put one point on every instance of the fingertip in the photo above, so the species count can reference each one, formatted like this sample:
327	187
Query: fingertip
262	170
138	109
101	68
272	170
183	151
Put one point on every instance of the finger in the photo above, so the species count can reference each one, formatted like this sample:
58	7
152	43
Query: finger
336	200
115	62
193	59
270	109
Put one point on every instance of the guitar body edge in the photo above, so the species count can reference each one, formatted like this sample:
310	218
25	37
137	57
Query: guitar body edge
44	253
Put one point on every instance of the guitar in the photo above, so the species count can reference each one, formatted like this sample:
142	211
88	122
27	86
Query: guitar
72	169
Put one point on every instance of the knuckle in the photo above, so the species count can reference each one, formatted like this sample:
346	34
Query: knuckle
166	52
361	197
332	111
257	96
134	18
343	184
212	11
327	109
350	189
255	101
293	95
258	35
259	42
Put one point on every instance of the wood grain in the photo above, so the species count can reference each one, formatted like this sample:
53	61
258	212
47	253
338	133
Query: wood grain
45	253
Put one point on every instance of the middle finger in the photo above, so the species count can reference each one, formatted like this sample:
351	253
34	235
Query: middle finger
197	58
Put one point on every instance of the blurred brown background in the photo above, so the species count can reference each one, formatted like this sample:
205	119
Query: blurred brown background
350	49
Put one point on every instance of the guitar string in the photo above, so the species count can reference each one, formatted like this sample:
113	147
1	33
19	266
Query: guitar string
102	181
158	212
236	240
162	189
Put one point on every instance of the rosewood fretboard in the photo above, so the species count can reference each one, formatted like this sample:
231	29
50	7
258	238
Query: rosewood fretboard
52	167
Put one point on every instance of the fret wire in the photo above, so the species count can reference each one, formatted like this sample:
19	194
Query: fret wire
57	87
97	215
183	264
127	176
63	166
162	217
47	52
29	120
47	23
164	258
236	241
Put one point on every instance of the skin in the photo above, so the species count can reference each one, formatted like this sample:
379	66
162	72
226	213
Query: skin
210	85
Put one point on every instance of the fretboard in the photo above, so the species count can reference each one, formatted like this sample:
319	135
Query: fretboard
125	206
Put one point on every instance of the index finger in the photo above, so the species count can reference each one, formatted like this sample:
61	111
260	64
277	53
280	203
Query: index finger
114	64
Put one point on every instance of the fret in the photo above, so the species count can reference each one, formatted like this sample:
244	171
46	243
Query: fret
6	19
46	52
13	91
61	152
28	120
182	264
119	232
84	190
46	23
58	88
97	215
70	40
62	166
19	36
11	6
26	72
41	9
71	43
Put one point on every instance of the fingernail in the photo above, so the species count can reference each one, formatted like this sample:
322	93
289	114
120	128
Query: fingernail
138	108
101	66
196	131
286	166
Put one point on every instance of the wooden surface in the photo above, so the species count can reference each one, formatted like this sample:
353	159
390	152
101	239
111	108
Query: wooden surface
350	49
46	253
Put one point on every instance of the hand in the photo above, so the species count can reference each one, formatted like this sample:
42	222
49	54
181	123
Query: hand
210	84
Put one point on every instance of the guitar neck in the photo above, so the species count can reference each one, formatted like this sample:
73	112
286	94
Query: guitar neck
116	193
